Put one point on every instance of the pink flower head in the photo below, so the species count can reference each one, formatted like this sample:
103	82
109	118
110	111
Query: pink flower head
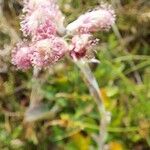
97	20
46	15
48	51
21	56
81	45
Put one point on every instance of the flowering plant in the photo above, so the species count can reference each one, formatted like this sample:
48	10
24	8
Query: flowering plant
43	22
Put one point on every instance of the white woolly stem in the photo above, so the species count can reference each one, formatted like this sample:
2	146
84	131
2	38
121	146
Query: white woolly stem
35	97
95	92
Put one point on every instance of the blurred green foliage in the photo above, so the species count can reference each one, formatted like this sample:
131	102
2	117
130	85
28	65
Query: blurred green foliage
123	75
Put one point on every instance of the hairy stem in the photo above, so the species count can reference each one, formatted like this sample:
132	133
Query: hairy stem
35	97
95	92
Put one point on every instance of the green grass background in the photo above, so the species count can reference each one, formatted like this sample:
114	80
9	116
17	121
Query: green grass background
67	119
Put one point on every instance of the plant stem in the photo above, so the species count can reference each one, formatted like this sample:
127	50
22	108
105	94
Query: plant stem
35	97
95	92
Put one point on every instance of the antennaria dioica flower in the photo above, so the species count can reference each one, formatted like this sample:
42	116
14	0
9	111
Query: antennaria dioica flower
43	22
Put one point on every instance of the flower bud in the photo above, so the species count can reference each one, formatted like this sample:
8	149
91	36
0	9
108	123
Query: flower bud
97	20
82	45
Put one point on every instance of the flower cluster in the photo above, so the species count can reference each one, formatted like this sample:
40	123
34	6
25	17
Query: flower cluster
44	23
100	19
